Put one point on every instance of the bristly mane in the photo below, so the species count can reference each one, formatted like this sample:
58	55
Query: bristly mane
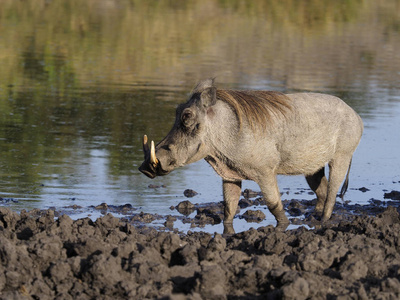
259	108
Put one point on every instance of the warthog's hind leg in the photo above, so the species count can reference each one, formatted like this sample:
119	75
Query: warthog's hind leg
319	184
338	168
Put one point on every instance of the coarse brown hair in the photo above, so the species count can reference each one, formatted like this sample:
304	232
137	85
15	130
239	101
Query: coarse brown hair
259	108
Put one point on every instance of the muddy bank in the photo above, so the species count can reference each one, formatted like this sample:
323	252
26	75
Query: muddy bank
41	257
252	209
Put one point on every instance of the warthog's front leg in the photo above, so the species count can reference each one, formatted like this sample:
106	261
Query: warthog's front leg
270	190
232	190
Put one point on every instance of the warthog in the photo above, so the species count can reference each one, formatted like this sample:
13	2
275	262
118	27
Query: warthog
255	135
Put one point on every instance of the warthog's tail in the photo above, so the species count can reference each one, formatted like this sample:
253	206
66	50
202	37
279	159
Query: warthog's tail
345	183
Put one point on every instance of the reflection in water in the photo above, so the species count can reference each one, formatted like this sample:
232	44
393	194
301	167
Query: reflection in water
82	81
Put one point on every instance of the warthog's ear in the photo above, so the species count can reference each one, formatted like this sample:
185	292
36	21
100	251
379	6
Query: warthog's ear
208	97
202	85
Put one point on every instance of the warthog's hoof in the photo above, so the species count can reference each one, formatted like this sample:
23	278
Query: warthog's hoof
228	229
325	219
282	225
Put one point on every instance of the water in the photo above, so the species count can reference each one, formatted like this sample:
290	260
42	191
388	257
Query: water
81	82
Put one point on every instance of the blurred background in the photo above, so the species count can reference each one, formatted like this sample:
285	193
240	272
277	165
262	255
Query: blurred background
82	81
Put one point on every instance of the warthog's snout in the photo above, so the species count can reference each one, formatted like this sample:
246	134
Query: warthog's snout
151	166
146	170
150	163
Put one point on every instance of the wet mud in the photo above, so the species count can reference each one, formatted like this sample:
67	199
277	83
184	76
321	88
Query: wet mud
48	255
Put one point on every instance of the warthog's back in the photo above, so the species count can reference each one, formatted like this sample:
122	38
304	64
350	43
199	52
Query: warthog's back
319	128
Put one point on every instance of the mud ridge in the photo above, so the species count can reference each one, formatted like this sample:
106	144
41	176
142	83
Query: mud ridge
43	257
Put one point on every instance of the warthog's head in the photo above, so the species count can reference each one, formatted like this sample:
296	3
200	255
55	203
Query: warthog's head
185	143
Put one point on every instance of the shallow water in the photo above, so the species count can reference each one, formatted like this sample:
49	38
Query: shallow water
81	82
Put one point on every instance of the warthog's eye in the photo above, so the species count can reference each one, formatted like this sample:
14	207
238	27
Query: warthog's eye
187	117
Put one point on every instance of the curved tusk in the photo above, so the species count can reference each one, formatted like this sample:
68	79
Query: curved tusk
153	158
145	145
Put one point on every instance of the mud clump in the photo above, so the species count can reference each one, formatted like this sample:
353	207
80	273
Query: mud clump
46	258
253	216
394	195
189	193
185	207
